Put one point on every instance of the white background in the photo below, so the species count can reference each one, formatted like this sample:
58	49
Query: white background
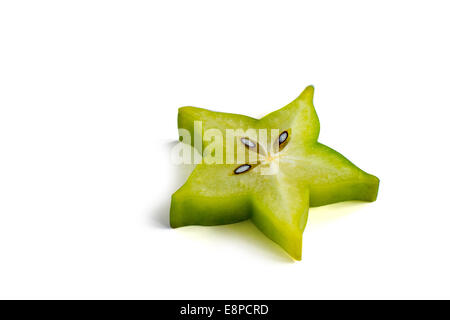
89	92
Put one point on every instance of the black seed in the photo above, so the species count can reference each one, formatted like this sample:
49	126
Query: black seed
248	142
283	137
243	168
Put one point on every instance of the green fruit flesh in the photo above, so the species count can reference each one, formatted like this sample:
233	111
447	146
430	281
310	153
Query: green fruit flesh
308	174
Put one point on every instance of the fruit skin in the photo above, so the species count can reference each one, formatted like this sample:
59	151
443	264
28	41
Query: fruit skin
311	174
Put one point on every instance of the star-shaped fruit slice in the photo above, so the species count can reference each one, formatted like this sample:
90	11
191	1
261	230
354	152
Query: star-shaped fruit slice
269	170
